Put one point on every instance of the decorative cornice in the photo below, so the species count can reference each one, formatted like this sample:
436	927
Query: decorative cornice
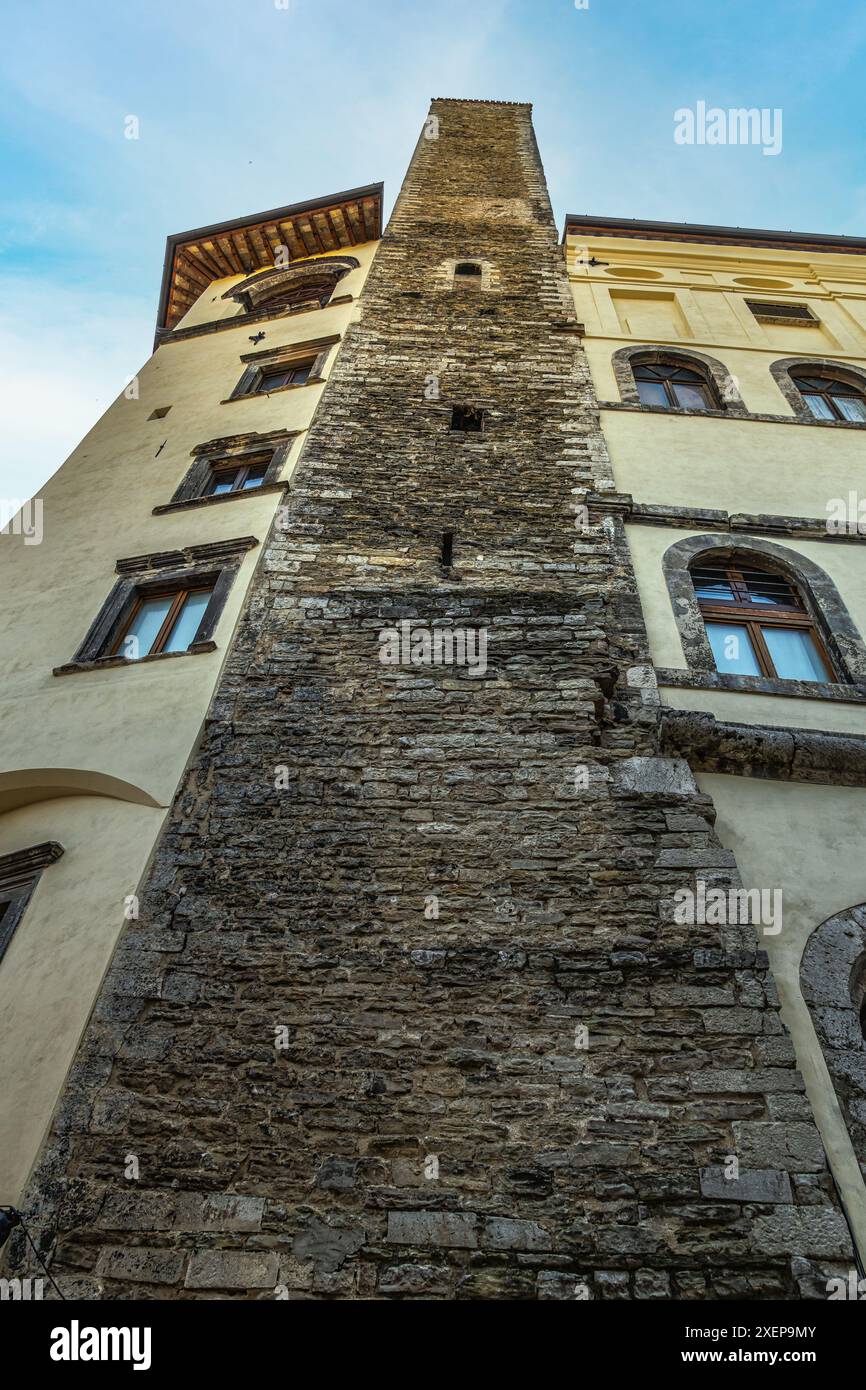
636	228
291	350
747	750
712	519
267	312
251	442
213	553
25	863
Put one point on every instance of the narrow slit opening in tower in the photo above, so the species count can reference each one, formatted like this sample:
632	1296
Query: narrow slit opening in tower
447	549
467	418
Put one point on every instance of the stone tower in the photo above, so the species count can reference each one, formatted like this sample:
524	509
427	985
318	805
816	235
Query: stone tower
406	1012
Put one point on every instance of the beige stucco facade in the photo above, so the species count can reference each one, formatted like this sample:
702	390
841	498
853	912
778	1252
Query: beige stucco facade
92	759
690	296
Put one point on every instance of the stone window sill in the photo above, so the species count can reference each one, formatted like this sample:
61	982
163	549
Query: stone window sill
101	663
214	500
761	685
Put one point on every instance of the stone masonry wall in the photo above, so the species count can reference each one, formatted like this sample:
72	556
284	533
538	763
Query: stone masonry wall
329	1089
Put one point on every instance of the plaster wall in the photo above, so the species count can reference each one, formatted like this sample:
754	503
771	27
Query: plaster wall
136	723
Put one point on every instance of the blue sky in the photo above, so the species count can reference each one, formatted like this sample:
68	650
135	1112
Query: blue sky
244	105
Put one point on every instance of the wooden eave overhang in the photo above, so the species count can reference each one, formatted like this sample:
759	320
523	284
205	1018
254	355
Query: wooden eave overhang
193	260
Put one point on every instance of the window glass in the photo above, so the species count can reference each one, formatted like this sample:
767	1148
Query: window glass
255	476
188	621
272	381
764	587
689	397
144	628
299	375
851	407
732	649
794	654
711	585
819	407
223	482
652	392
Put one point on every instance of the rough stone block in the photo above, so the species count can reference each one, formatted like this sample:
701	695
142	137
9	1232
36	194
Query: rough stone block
230	1269
140	1265
441	1228
654	777
814	1231
752	1185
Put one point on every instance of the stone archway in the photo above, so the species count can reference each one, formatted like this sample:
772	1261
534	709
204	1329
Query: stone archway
833	981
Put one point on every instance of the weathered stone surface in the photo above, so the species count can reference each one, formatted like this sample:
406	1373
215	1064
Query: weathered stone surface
504	1233
230	1269
327	1245
821	1230
750	1185
139	1265
435	1228
795	1147
421	1280
655	777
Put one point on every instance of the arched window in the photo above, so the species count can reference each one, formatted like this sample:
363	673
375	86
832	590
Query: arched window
829	398
757	623
673	387
299	284
308	292
467	270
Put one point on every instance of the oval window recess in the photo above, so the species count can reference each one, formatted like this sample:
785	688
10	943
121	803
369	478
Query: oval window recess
753	282
631	272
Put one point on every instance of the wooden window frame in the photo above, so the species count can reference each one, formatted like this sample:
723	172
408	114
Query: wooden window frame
312	354
767	311
259	389
144	595
708	393
214	564
753	616
19	874
231	453
316	292
240	472
824	392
